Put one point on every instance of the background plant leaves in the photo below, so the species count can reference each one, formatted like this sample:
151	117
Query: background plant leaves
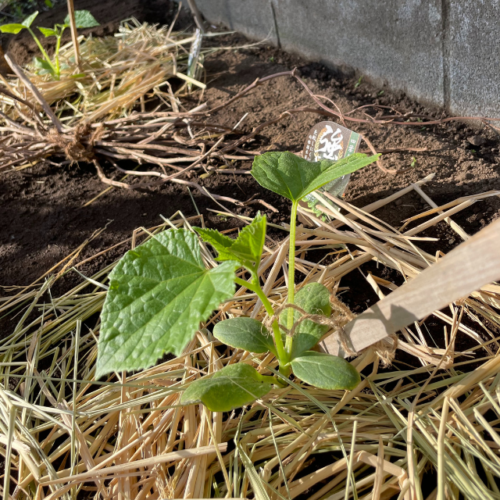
29	20
43	65
13	28
46	32
83	19
158	295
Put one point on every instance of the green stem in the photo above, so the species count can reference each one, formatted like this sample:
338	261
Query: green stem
291	272
271	380
254	286
56	55
42	50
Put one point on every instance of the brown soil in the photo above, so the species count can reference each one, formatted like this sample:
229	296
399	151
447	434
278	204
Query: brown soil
43	217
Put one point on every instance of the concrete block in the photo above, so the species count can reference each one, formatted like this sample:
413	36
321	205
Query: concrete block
472	58
396	42
253	18
440	52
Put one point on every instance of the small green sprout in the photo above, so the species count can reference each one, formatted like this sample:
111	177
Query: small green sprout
413	162
83	19
160	292
358	83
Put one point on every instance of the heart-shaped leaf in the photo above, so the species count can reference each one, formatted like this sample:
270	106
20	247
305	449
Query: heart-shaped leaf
158	295
244	333
12	28
246	248
48	32
83	19
325	371
294	178
233	386
313	298
29	20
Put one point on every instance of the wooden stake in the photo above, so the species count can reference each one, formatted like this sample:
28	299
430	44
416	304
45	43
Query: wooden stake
74	33
464	270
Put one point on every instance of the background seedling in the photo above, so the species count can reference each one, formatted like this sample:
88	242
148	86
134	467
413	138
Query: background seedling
83	19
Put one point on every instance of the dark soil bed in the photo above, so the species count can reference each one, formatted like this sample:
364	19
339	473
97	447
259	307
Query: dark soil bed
43	213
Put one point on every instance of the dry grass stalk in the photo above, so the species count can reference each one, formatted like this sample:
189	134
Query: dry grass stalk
116	72
64	432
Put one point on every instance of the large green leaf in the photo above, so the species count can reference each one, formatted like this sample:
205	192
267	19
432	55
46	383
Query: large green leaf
246	248
325	371
294	178
158	295
244	333
83	19
29	20
233	386
13	28
313	298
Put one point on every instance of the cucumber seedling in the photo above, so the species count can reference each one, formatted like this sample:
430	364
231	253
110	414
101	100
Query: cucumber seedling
161	291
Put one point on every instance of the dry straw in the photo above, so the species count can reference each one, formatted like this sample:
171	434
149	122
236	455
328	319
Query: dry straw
426	428
116	72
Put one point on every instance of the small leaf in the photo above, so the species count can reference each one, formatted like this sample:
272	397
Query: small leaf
313	298
48	32
43	65
12	28
244	333
158	295
83	19
325	371
233	386
250	242
294	178
219	241
48	4
29	20
246	248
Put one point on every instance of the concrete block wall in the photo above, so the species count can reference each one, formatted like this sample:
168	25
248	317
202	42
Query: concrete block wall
440	52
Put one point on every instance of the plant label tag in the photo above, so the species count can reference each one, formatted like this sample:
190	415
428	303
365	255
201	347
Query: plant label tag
330	141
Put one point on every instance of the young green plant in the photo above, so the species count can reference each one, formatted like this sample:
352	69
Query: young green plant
160	292
83	19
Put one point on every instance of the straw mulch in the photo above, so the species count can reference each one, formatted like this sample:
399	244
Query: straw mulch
64	435
117	71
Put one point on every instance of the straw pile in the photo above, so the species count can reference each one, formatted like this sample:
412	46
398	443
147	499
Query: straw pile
117	72
66	435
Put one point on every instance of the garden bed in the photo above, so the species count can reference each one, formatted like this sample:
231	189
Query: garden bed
57	215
